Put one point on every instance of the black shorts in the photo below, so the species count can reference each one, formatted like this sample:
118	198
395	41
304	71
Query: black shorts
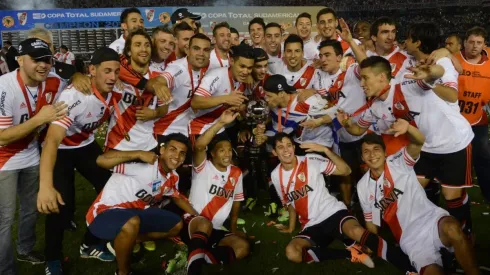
451	170
108	224
324	233
214	239
351	153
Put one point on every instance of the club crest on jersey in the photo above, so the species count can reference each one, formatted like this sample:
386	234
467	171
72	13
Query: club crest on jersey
393	67
302	177
386	183
339	84
49	97
399	106
233	182
302	81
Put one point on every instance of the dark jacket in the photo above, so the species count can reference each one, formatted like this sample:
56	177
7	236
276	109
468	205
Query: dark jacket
10	58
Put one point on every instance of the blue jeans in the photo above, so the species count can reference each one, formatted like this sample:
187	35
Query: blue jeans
23	183
481	159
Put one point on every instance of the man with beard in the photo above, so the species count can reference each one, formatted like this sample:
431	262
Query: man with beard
184	15
182	78
222	38
70	145
26	105
383	34
131	125
220	88
327	24
182	33
131	20
256	30
125	210
453	43
163	46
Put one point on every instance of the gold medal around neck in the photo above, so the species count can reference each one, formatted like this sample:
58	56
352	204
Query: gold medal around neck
126	137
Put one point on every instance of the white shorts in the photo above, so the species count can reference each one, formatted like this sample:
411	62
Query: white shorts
423	245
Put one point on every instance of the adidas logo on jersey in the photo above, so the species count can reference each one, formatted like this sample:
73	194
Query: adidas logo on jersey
89	114
23	105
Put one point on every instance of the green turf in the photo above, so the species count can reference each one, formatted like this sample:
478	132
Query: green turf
267	255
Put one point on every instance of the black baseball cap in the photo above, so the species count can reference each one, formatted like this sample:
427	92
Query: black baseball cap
35	48
260	55
104	54
277	83
183	13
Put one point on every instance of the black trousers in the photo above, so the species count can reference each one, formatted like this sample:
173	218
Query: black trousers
82	159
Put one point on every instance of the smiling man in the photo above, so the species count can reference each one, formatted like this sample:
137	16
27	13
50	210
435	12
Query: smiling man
125	210
295	69
220	56
163	47
273	46
256	29
390	192
26	105
131	20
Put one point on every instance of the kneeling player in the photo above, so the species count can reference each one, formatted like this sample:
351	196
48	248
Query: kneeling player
217	190
122	212
300	183
390	191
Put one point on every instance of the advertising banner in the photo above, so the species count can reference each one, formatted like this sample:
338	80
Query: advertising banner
238	17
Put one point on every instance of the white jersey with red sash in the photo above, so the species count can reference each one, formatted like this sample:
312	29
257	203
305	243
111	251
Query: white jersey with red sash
140	186
343	91
304	188
213	192
397	198
445	130
217	62
396	58
125	132
302	79
216	82
19	103
85	114
287	120
182	82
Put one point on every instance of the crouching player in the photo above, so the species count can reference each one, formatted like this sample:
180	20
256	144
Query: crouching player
217	190
122	212
390	191
300	184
